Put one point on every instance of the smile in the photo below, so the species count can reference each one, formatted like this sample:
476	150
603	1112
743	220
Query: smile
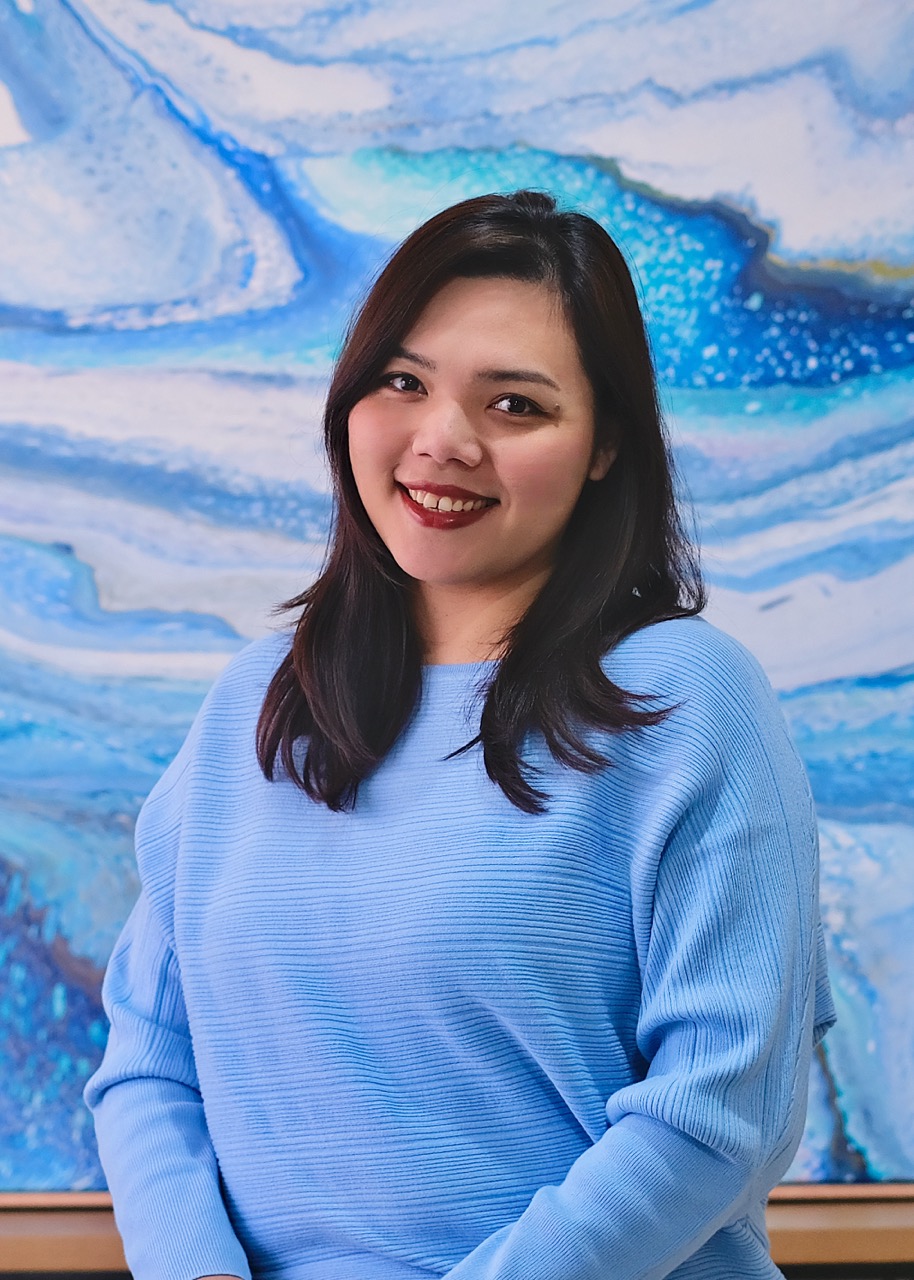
436	502
445	510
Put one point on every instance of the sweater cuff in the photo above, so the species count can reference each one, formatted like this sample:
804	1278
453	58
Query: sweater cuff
166	1189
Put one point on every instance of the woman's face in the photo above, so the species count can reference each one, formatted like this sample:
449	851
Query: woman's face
472	451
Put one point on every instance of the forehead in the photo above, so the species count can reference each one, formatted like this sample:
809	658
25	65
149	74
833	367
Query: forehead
497	312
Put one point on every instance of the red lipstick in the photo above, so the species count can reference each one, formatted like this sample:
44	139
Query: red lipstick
433	517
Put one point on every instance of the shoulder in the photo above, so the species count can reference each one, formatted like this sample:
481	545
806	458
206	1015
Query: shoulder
682	649
724	748
221	737
245	678
720	703
688	660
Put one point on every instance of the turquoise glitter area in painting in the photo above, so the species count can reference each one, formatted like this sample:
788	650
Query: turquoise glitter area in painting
717	314
193	196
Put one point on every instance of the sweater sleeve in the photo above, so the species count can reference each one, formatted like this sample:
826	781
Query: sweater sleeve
149	1120
726	919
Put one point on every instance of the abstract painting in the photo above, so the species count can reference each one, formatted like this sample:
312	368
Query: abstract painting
193	196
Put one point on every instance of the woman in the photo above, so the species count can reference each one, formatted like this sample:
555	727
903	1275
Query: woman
479	933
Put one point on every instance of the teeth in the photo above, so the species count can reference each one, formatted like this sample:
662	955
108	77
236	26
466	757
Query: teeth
432	502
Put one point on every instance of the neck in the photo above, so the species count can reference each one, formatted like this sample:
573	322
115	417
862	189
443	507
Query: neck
460	626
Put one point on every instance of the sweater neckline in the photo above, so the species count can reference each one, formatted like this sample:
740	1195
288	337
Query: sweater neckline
440	671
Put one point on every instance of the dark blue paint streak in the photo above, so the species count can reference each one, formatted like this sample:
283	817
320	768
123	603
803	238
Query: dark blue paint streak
103	468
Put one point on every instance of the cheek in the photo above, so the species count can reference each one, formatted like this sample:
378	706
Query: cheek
551	477
359	430
368	442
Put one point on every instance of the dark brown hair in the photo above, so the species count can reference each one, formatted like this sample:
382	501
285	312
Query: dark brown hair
354	674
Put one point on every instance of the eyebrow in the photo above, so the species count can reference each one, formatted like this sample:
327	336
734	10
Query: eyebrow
404	353
484	375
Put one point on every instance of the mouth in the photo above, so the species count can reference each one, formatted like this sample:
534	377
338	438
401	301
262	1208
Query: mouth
445	506
448	498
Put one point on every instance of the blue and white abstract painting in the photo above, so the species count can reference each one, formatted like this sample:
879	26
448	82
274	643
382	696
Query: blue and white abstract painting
194	193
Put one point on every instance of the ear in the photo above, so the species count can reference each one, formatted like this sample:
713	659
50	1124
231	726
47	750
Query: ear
602	461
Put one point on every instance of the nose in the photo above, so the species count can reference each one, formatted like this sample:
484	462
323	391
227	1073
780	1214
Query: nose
446	434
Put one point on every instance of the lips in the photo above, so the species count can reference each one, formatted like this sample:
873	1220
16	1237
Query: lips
444	506
451	492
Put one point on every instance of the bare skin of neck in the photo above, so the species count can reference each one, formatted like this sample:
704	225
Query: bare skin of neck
460	626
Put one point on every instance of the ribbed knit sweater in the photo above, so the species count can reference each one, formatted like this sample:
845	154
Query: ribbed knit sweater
437	1036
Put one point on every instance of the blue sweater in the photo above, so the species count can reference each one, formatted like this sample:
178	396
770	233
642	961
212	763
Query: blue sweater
437	1036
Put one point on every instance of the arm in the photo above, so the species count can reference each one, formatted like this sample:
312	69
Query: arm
726	923
152	1134
149	1121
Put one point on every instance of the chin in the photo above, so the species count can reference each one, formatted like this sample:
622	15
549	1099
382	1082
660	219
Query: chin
433	569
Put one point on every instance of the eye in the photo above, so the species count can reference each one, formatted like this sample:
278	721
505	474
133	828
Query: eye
406	382
517	406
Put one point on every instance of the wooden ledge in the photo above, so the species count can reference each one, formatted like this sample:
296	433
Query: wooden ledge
822	1224
58	1232
804	1192
837	1222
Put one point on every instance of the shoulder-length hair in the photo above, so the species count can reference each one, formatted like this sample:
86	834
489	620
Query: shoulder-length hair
353	677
